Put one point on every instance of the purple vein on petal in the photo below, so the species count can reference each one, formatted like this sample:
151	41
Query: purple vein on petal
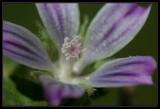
127	65
48	11
59	16
49	14
131	63
6	42
117	23
124	32
116	31
124	71
13	52
19	37
60	20
22	46
133	8
144	63
116	82
68	20
107	18
120	74
119	80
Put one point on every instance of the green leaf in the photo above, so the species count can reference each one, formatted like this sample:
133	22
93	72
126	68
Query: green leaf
92	67
47	42
101	62
84	26
8	66
20	89
12	97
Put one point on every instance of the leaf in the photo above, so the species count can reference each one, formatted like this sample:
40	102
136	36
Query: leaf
92	67
20	89
84	26
48	43
11	96
8	66
101	62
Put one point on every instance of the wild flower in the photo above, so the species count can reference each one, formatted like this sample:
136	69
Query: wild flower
114	26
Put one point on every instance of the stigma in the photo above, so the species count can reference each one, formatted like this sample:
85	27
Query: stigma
72	48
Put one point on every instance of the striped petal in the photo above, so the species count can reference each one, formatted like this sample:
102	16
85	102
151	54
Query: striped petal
22	46
124	72
60	19
55	91
113	28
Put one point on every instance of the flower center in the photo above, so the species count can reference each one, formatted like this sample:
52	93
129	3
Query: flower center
72	49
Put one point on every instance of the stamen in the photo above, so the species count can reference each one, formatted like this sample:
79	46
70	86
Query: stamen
72	49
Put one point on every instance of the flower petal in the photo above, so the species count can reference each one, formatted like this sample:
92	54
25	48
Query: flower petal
123	72
114	27
60	19
22	46
55	91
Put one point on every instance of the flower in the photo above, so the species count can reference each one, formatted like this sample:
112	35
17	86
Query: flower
113	28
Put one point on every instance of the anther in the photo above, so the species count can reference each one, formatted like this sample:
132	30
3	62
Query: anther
72	49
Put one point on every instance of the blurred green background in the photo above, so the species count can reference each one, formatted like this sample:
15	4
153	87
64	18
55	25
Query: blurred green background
26	15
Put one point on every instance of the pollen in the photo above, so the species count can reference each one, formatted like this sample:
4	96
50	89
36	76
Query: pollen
72	49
